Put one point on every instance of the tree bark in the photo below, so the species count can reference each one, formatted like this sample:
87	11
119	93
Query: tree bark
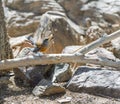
5	51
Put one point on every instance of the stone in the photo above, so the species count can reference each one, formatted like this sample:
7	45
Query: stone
116	47
101	54
62	73
5	80
106	12
45	87
93	33
65	32
18	43
65	100
22	16
72	8
94	80
35	6
30	75
19	23
97	53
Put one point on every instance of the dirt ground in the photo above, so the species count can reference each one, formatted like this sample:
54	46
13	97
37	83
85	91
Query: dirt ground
12	94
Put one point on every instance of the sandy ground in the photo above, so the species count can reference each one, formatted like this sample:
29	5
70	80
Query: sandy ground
15	95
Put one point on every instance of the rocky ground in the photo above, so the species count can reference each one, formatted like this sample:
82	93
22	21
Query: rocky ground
72	24
15	95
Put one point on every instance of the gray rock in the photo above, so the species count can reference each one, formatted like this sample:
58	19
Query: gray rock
46	87
20	23
93	33
30	75
5	80
116	47
62	73
101	54
98	53
35	6
96	81
23	15
103	11
64	30
72	8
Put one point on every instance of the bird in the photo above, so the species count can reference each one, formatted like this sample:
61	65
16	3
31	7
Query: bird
44	45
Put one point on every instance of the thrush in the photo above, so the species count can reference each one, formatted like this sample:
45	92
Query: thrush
42	47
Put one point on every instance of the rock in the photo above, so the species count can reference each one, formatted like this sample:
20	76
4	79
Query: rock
5	80
19	23
30	75
35	6
72	9
71	49
116	47
18	43
64	30
96	81
93	33
65	100
22	16
45	87
62	73
98	53
104	12
101	54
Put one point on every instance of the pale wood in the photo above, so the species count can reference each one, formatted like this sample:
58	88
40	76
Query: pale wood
54	59
65	58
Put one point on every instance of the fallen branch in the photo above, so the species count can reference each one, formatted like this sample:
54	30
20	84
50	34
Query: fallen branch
98	42
64	58
53	59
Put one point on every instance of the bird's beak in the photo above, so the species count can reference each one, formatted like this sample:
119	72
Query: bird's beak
36	49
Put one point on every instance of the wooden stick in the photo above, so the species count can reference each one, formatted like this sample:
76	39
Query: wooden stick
53	59
59	58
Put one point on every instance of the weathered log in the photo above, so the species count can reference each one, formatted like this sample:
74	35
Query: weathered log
59	58
53	59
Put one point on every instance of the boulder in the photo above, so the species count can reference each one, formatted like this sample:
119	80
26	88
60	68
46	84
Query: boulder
45	87
99	11
30	75
62	73
20	23
97	53
65	32
23	15
96	81
116	47
72	9
35	6
5	80
93	33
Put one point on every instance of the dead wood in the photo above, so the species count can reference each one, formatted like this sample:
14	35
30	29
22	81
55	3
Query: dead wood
65	58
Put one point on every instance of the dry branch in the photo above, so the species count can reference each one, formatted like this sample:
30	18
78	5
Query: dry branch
53	59
98	42
59	58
